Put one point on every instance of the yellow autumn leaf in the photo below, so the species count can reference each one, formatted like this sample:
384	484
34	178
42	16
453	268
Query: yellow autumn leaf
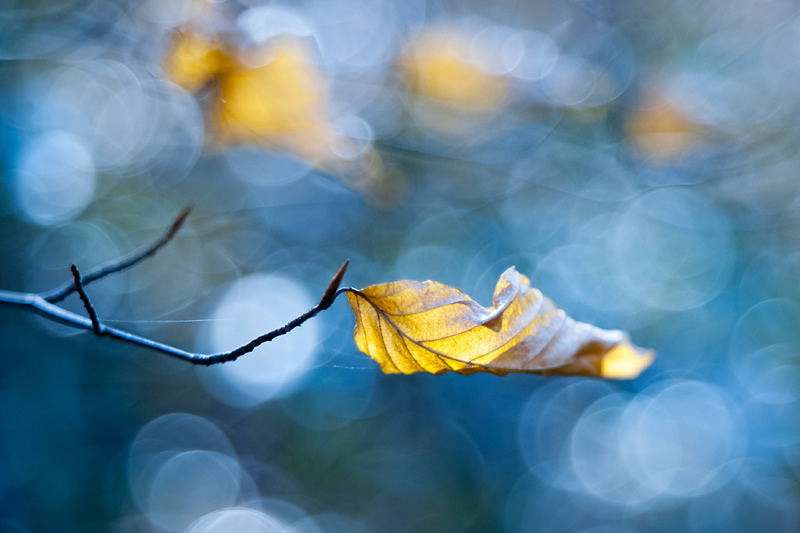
436	67
279	102
193	60
661	132
410	326
273	96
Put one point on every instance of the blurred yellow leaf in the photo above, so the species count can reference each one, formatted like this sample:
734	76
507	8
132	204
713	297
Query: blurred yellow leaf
273	96
661	131
193	61
410	326
436	67
281	102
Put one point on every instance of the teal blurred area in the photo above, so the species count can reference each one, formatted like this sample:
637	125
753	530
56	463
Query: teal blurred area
636	160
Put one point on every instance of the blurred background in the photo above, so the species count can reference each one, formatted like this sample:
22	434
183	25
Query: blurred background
637	160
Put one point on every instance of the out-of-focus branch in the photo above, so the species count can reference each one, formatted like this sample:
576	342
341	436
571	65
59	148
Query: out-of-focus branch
44	304
59	293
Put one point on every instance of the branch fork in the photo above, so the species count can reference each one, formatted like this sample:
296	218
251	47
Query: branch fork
44	304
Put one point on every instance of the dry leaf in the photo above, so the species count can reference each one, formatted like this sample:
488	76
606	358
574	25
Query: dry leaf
274	96
662	132
410	326
279	102
193	60
437	66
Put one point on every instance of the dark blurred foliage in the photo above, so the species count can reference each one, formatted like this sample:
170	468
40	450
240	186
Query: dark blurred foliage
637	160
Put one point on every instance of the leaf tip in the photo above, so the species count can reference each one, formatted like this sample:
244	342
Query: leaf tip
625	361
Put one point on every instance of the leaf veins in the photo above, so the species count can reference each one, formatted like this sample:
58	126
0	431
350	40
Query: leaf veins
410	326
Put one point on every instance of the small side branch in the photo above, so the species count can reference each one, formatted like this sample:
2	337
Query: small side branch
59	293
86	303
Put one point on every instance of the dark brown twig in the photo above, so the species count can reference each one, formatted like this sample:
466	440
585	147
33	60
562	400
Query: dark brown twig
331	292
86	303
44	304
61	292
36	304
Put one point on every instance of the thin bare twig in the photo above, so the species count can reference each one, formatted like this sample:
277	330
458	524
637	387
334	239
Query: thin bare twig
86	303
61	292
44	304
